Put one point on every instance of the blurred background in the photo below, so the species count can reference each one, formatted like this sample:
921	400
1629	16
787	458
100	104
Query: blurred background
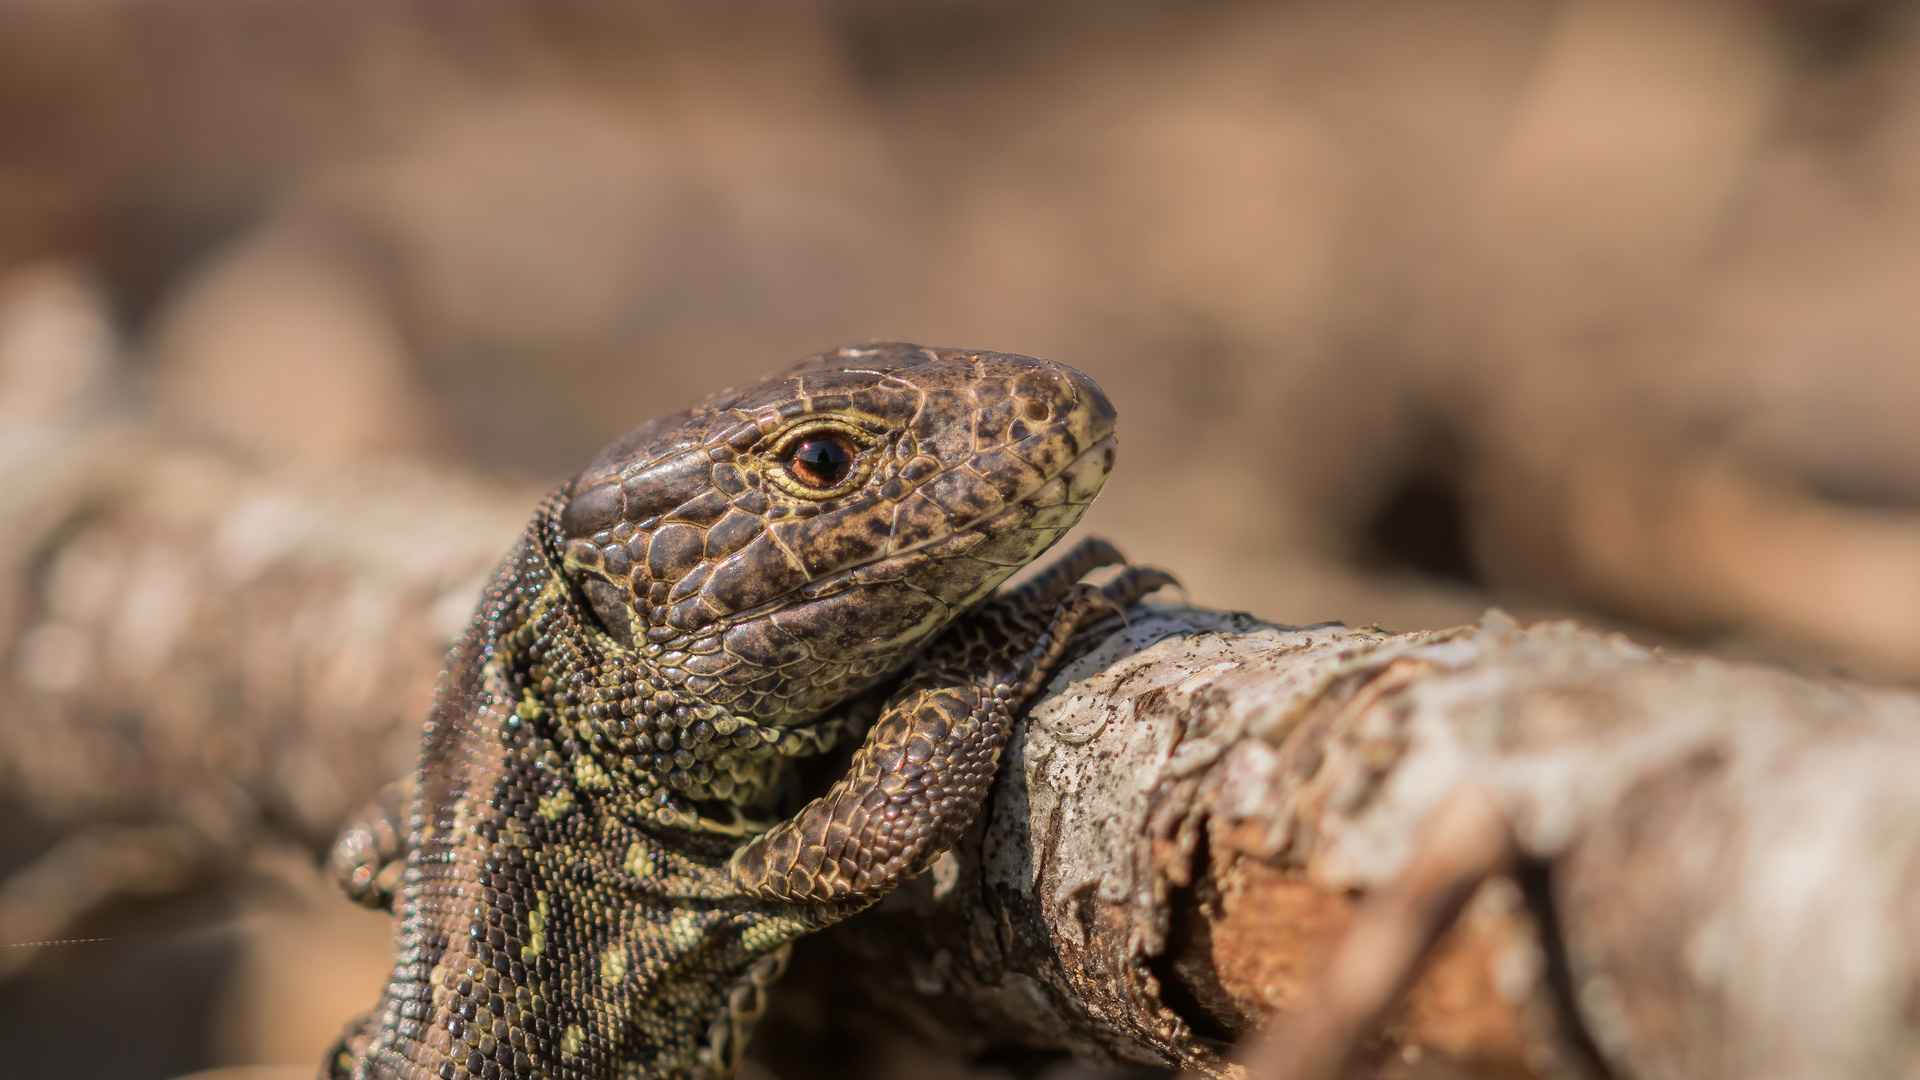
1606	309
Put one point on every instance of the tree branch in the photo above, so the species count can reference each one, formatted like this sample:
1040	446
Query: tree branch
1648	866
1660	866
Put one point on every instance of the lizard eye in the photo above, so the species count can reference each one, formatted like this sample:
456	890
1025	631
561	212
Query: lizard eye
820	461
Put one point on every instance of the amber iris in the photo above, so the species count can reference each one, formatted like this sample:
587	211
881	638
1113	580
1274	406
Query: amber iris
820	461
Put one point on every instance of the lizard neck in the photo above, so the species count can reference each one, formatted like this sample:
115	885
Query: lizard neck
553	921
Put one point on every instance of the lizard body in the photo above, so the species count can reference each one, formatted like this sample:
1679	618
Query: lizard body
588	887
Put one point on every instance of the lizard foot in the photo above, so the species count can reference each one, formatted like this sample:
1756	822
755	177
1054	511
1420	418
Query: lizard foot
369	858
928	762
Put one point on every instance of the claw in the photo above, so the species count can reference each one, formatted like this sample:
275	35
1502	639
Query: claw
1127	587
1052	584
1135	582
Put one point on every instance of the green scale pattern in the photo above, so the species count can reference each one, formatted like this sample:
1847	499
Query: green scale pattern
595	880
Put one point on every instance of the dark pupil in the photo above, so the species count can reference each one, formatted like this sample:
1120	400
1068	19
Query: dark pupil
821	462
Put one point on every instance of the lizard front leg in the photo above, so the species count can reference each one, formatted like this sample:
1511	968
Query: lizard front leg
927	763
370	855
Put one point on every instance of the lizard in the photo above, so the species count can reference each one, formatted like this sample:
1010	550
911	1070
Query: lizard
594	880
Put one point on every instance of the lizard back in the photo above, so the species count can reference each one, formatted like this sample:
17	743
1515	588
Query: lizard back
594	884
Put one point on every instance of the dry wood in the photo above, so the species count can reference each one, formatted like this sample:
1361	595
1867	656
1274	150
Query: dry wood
200	652
1662	867
1648	866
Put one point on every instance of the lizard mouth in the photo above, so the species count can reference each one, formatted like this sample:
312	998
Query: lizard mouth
1055	504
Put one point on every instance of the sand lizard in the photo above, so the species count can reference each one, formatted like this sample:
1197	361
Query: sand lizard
587	885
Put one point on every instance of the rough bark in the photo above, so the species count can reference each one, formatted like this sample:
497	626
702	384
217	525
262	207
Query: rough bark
1662	866
1711	867
201	652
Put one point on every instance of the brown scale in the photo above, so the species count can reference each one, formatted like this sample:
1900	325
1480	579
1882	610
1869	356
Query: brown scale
596	883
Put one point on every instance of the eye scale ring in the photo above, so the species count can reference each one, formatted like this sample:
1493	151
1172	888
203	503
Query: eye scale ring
820	460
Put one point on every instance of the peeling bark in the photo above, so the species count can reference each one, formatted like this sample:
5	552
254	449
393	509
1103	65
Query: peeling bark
1211	824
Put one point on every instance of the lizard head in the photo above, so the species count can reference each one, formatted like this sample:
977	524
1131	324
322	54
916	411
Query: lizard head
792	540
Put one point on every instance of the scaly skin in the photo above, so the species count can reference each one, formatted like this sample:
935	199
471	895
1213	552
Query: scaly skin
589	887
